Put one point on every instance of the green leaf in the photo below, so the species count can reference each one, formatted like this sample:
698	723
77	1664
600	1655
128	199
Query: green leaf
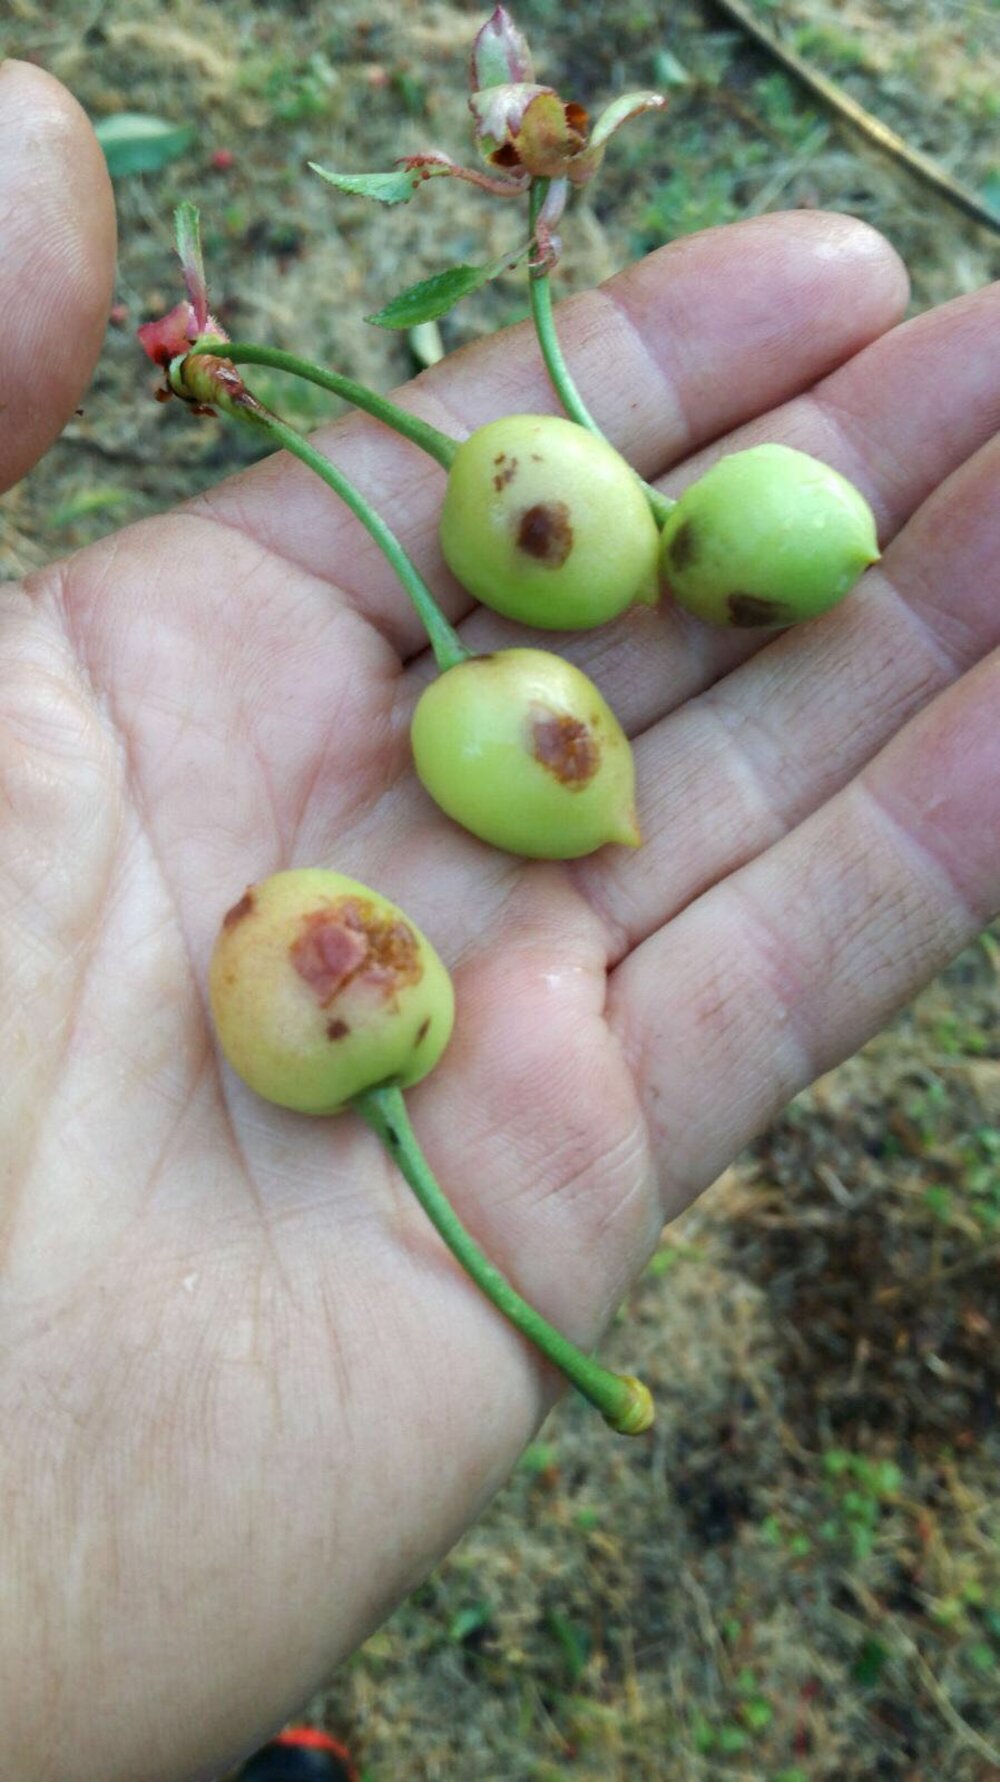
668	71
135	143
887	1478
432	297
469	1620
538	1457
85	502
573	1640
990	190
757	1713
702	1734
731	1739
938	1202
869	1663
397	187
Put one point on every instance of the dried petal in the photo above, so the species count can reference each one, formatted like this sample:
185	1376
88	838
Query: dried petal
170	335
500	54
188	230
547	244
551	134
173	333
499	113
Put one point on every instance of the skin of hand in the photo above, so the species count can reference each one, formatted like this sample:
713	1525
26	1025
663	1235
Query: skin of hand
248	1400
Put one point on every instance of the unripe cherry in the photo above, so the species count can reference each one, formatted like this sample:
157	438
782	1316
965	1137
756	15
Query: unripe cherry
767	537
322	989
520	748
547	523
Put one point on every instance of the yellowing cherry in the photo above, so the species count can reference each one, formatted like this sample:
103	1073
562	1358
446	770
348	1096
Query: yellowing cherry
321	989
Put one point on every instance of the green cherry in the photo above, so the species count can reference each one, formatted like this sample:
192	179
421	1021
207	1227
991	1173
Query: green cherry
767	537
520	748
322	989
547	523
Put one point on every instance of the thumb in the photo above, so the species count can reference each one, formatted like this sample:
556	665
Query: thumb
57	258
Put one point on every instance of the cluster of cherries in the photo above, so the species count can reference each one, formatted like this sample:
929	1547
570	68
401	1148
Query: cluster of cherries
325	995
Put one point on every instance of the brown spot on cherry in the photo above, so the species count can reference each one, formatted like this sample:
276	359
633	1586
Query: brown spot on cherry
546	534
349	940
565	746
683	547
569	543
320	995
327	953
747	610
422	1030
506	471
239	910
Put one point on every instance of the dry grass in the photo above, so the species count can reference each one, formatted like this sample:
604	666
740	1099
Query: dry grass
799	1577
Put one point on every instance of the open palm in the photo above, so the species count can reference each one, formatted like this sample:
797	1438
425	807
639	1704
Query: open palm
249	1398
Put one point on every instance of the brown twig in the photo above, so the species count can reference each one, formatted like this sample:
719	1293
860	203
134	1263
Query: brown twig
870	127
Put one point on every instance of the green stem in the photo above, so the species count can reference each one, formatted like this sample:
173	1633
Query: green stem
540	294
661	506
439	445
623	1401
210	385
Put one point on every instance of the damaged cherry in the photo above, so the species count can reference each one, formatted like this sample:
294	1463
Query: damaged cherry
322	989
768	536
547	523
521	749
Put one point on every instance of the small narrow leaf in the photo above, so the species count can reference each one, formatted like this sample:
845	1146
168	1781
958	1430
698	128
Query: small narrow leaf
432	297
135	143
627	105
397	187
86	502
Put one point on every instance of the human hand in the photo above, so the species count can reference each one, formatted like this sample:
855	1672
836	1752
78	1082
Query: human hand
249	1398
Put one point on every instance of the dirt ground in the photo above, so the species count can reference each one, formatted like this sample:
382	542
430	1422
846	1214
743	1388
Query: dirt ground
798	1577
